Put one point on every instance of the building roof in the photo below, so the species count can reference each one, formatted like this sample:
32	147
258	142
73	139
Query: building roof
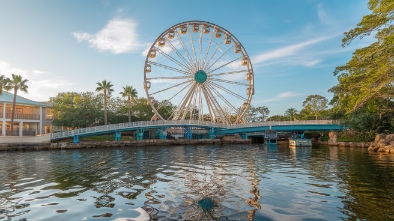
9	98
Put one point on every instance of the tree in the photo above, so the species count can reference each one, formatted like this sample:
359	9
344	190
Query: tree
106	88
369	74
291	112
264	111
3	82
130	93
277	118
142	110
16	83
71	109
256	114
315	103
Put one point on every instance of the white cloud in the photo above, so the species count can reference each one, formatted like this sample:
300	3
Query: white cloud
312	63
118	36
286	51
281	96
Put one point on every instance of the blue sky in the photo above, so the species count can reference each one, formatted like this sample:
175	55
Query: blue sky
69	45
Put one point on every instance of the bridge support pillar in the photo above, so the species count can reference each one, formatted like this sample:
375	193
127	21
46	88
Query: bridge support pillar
188	133
76	138
163	133
140	134
211	133
117	135
244	136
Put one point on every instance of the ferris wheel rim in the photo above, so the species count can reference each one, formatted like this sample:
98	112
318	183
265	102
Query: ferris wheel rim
203	69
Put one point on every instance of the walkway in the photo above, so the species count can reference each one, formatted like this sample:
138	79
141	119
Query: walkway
214	128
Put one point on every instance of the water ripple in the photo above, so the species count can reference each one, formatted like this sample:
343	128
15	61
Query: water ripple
234	182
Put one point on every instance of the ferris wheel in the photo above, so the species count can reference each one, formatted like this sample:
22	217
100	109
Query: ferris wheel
197	70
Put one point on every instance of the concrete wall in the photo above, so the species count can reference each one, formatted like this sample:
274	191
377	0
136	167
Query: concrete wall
45	138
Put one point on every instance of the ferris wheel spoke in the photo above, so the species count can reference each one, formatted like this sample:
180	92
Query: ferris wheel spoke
182	104
187	51
228	82
199	56
226	64
216	49
228	91
219	58
192	45
179	54
172	59
228	73
168	67
191	105
207	50
209	104
170	78
171	87
175	94
223	98
216	104
201	109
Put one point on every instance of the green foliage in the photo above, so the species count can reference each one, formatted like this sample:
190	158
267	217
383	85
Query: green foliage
16	83
291	113
106	88
130	93
256	114
370	119
73	109
354	136
370	72
278	118
315	104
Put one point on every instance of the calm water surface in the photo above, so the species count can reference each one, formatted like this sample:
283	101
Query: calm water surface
234	182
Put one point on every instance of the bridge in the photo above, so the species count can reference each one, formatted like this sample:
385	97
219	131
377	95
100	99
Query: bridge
213	129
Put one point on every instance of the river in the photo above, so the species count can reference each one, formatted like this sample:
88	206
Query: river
229	182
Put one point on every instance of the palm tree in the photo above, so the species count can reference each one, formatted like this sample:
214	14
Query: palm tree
106	88
3	82
291	112
16	83
130	93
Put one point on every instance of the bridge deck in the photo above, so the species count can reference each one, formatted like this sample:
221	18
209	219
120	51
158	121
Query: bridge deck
219	128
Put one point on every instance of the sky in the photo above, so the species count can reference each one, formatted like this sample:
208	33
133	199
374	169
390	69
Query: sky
70	45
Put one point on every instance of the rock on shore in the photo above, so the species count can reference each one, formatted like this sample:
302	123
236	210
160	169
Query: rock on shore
383	143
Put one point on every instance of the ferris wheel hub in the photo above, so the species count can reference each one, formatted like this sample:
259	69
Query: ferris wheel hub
200	76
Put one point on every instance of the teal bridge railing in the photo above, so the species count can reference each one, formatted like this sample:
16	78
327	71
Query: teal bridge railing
215	129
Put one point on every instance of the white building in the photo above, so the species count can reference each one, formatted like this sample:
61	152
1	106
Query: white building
31	117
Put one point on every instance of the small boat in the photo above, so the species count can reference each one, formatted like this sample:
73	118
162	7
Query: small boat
300	142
